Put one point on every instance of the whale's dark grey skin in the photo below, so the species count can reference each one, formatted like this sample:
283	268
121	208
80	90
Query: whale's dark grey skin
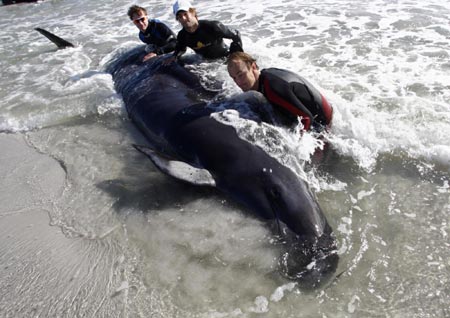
167	104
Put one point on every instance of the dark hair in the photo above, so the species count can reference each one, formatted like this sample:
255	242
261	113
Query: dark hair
135	9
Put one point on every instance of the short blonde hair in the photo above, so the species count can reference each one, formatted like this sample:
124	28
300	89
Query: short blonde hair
242	56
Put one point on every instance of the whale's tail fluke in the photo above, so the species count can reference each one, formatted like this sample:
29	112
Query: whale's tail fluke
60	43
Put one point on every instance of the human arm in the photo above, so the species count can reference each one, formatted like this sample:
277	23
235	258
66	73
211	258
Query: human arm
150	51
159	37
168	47
228	33
148	56
173	58
165	38
180	49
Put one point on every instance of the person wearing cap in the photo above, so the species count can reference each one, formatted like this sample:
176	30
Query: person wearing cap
205	37
292	95
160	39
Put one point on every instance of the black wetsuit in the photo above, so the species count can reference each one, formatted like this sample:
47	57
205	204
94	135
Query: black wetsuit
294	97
207	40
160	37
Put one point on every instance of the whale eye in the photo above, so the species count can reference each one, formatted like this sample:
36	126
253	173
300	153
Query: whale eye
274	193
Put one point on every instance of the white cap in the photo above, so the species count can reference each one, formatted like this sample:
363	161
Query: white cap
181	5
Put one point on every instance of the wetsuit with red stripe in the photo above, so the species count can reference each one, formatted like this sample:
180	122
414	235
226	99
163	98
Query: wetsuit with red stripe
294	96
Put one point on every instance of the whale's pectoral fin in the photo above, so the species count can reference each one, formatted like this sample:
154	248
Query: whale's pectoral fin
176	168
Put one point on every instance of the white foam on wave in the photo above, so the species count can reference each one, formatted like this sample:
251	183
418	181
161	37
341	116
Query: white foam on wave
290	148
375	62
386	100
63	85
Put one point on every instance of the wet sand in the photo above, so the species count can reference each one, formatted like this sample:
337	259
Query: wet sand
44	273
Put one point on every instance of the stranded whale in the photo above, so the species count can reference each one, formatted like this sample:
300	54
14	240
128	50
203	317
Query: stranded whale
167	104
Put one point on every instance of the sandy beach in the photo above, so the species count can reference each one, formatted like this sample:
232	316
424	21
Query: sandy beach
42	270
89	227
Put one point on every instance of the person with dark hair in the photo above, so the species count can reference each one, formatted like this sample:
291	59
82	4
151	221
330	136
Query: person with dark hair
291	94
159	37
205	37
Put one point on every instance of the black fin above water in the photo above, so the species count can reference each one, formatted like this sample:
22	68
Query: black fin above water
8	2
60	43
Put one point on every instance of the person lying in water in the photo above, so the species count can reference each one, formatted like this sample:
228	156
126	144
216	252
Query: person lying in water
205	37
159	37
291	94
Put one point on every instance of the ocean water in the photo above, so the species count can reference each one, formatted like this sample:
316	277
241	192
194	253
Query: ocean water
153	247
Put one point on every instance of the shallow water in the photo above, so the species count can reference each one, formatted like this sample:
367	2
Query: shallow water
137	243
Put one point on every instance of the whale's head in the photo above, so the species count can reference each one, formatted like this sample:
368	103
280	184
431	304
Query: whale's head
276	193
311	261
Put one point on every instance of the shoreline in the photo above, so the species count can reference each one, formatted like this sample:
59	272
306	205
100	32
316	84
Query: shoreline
44	273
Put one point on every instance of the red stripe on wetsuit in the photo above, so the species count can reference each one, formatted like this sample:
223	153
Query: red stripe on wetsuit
306	119
273	97
327	111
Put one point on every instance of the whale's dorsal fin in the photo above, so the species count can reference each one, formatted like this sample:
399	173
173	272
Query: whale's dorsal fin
176	168
60	43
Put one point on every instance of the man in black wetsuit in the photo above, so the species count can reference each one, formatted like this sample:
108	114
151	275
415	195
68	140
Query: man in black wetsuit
292	95
159	37
205	37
